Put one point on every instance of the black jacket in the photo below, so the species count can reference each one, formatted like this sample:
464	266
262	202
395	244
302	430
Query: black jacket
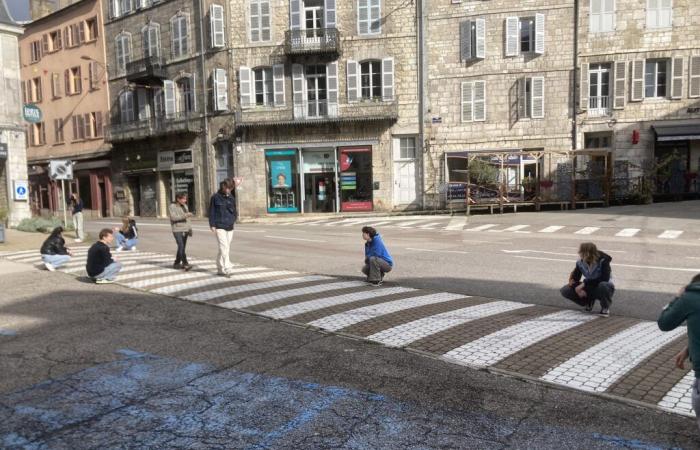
54	245
222	211
98	258
131	232
601	273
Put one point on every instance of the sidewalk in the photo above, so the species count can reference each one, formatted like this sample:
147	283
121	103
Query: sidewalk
618	358
19	240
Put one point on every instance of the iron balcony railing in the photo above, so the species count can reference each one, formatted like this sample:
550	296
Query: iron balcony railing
184	122
152	67
314	40
599	106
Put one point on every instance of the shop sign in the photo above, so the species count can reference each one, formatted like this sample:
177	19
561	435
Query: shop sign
21	190
183	181
3	151
174	160
31	113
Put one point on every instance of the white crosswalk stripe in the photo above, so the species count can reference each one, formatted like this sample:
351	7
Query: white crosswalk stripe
174	279
341	320
482	227
551	229
628	232
516	228
312	305
670	234
497	346
259	272
679	398
410	332
408	224
597	368
587	230
430	226
272	296
124	276
354	222
457	223
231	290
376	224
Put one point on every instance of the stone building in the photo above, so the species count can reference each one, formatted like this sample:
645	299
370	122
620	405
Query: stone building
171	118
13	156
639	89
41	8
326	105
64	75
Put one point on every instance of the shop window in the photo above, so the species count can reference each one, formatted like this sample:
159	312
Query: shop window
597	140
356	179
283	180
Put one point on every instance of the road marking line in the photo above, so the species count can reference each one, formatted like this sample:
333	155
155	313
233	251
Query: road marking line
259	272
587	230
597	368
409	223
482	227
429	226
628	232
670	234
490	349
294	239
273	296
679	398
376	224
457	223
342	320
516	227
353	222
163	271
606	250
573	255
229	290
435	251
551	229
402	335
633	266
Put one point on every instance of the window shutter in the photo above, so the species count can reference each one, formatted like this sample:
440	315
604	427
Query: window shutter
620	84
607	15
295	14
481	38
59	40
278	84
221	89
332	77
677	77
78	81
298	89
193	87
94	79
522	98
66	37
539	33
512	36
594	16
175	37
363	17
353	81
43	132
388	79
245	86
537	97
98	124
264	20
126	39
81	32
87	124
465	40
694	75
169	95
652	13
24	92
637	81
39	95
329	8
45	44
375	16
75	127
479	101
216	25
467	100
143	106
583	87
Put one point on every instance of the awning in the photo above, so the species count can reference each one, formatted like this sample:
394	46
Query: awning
665	133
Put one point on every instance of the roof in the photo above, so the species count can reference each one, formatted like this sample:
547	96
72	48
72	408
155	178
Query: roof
677	132
5	17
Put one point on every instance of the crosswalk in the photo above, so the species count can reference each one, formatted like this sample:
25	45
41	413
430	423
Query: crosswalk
533	340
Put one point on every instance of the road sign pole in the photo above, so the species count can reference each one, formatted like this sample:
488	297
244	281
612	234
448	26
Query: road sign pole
63	199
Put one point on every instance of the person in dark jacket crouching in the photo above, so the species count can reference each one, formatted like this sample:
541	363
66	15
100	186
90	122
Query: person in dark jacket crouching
54	253
378	261
100	265
597	284
222	216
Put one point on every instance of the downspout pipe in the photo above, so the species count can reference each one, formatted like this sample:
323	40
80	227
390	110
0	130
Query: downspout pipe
205	109
421	94
577	75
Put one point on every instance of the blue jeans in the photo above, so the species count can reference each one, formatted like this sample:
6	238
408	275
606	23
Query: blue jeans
110	272
126	243
55	260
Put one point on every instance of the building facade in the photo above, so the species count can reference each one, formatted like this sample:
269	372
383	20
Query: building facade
326	105
171	119
13	156
64	75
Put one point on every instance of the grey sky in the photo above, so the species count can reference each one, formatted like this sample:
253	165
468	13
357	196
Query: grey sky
19	9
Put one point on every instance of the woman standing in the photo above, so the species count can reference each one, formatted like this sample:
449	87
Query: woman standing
182	229
77	210
597	284
127	235
53	251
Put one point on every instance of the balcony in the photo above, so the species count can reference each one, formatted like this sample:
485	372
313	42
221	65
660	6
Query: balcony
317	112
146	70
178	123
599	106
312	41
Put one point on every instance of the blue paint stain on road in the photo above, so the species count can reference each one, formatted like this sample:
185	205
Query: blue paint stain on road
7	332
147	401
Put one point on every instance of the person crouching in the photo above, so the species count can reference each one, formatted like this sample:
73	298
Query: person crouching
597	284
54	253
377	258
100	265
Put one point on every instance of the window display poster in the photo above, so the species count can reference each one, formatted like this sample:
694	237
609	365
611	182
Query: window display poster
282	190
281	174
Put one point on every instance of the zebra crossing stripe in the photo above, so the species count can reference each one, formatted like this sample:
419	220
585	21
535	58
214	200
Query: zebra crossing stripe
232	290
311	305
456	223
670	234
482	227
628	232
551	229
168	279
516	227
166	270
408	224
494	347
376	224
587	230
430	226
35	257
272	296
339	321
679	398
259	272
353	222
402	335
597	368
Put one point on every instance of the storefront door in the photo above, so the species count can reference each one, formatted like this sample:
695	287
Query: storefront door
355	178
319	180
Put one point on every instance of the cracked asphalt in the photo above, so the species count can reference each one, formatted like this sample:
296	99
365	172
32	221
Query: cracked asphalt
85	366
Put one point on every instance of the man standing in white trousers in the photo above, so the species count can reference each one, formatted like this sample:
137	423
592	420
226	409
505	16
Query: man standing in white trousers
222	216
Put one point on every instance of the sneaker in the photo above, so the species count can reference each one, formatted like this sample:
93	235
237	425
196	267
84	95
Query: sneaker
77	240
588	307
177	266
49	267
119	249
133	249
605	312
103	281
376	283
186	267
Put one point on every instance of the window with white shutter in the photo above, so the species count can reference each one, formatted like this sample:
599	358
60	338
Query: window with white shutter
472	36
220	90
185	93
142	104
656	78
264	86
531	98
55	85
620	84
115	8
388	79
216	26
329	9
467	101
123	51
294	14
298	90
583	87
332	83
694	77
659	13
473	101
151	40
353	82
537	98
126	106
278	76
260	20
370	80
637	94
126	6
512	36
539	33
602	16
245	87
677	77
169	97
369	20
179	30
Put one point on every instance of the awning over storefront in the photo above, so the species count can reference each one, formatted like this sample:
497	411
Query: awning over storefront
665	133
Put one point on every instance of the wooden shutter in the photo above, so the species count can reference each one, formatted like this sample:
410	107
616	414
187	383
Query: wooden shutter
694	77
99	127
221	89
677	77
607	15
67	83
619	84
81	32
45	44
353	81
298	90
24	92
42	129
537	97
388	79
594	15
465	40
193	88
637	94
467	101
39	94
481	38
583	87
76	135
87	125
652	13
95	79
278	84
332	80
512	36
329	9
216	25
142	104
363	17
169	95
295	14
245	87
264	20
78	79
479	97
522	98
539	33
59	40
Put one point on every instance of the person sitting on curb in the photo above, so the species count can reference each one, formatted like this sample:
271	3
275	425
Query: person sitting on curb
594	266
377	258
100	265
686	307
54	253
127	235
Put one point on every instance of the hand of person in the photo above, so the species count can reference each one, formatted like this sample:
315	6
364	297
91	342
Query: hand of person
681	357
189	214
213	229
580	291
571	282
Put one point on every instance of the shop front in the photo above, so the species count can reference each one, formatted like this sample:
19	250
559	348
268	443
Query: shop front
176	170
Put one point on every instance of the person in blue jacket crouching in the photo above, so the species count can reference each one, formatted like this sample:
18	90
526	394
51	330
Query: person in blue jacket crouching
377	258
